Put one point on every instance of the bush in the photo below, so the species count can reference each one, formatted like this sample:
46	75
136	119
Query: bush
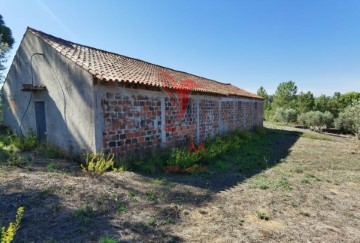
285	115
181	157
328	119
302	119
316	119
27	143
349	119
98	163
150	164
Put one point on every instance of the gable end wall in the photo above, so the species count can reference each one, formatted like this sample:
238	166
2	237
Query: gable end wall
69	96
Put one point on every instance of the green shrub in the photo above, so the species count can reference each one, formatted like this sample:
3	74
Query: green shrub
121	165
302	119
8	234
151	163
327	119
227	144
98	163
181	157
349	119
15	159
285	115
27	143
316	119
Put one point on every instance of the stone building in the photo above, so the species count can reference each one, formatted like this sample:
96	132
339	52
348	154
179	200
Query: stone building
78	97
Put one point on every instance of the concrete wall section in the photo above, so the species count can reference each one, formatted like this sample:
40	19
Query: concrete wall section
68	96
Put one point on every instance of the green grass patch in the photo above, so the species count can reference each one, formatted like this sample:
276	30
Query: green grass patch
107	239
311	176
219	153
151	196
159	181
222	165
315	136
121	208
299	170
305	181
51	152
83	213
51	167
263	215
263	185
283	183
152	222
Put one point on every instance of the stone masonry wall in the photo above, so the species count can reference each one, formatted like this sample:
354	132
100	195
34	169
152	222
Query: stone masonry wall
179	130
132	123
139	124
209	118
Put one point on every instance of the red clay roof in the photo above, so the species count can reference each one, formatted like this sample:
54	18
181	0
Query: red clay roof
108	66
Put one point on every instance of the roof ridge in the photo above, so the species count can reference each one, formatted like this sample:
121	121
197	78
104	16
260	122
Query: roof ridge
114	53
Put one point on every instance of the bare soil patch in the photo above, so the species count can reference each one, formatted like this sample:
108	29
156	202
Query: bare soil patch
290	185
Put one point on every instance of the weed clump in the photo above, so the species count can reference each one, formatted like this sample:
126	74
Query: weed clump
107	239
8	234
212	152
51	167
97	164
51	152
26	143
263	215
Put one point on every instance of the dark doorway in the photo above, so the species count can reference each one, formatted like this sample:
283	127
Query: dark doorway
40	120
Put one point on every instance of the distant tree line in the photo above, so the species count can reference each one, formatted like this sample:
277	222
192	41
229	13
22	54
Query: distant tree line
6	43
288	106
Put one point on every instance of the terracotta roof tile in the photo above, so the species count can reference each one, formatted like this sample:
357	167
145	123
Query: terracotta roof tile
108	66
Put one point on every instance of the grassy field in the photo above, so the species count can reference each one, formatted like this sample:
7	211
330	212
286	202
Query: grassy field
284	185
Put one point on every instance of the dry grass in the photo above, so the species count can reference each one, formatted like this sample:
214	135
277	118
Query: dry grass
308	190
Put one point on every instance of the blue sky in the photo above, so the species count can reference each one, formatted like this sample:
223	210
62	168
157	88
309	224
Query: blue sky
249	43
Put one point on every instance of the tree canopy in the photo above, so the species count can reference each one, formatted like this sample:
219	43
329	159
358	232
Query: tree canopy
305	102
6	43
285	95
262	92
286	106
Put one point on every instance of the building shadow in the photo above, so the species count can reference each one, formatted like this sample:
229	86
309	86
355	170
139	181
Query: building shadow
267	151
52	214
47	219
